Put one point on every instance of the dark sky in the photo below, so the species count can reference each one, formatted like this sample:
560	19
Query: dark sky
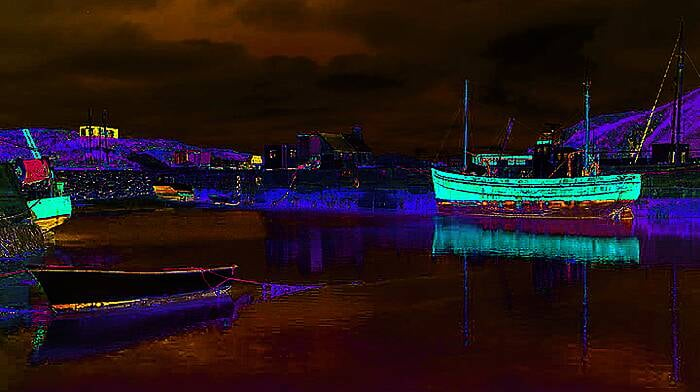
242	73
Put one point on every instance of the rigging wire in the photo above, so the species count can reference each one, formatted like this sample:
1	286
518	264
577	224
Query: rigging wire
656	101
692	63
455	120
13	144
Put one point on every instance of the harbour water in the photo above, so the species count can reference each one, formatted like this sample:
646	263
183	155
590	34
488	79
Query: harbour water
378	302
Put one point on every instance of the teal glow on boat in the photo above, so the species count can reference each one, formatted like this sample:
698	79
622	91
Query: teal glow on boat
51	207
454	236
459	187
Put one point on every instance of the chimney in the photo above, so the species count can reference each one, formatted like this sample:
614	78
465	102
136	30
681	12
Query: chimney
357	131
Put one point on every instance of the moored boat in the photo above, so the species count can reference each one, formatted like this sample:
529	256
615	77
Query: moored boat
174	192
559	182
576	197
77	336
50	212
19	236
70	289
48	205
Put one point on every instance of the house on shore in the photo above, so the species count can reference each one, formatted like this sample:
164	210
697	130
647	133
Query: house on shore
323	150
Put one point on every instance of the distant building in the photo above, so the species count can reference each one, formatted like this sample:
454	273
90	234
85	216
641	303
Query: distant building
191	158
233	160
97	131
663	152
280	156
334	150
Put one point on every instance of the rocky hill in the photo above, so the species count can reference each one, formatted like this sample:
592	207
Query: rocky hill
618	132
69	150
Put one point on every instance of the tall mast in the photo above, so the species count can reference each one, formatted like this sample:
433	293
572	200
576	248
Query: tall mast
466	122
678	107
587	119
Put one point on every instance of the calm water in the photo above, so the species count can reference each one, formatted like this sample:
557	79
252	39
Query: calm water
407	303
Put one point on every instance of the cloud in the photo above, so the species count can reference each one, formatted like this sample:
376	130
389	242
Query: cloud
243	73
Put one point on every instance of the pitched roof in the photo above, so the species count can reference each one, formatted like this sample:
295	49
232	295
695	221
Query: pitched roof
357	143
338	142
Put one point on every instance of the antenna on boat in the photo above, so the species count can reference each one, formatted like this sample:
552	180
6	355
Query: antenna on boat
587	119
102	133
89	154
509	129
466	122
678	105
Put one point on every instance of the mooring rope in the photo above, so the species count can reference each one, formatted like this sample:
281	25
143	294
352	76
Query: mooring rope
12	273
292	183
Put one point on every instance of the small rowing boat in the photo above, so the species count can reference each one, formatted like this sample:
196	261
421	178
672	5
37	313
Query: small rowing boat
76	290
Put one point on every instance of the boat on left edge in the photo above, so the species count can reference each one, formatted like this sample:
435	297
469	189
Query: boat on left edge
19	236
79	290
46	200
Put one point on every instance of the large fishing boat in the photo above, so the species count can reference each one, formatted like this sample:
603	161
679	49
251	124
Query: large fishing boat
560	182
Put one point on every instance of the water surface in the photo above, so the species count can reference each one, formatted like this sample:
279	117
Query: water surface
407	303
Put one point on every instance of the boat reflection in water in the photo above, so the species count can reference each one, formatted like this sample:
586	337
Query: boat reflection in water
522	239
85	335
558	256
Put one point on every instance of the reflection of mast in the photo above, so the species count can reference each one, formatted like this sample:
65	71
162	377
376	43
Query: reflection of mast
315	250
584	318
465	287
675	329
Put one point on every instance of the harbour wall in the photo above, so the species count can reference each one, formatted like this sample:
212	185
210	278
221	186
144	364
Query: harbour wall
373	190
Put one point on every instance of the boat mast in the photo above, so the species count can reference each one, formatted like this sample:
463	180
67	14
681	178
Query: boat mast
587	120
466	122
677	109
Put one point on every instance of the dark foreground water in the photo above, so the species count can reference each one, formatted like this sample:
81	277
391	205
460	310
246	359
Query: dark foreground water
407	303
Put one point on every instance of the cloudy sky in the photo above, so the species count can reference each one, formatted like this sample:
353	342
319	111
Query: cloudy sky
242	73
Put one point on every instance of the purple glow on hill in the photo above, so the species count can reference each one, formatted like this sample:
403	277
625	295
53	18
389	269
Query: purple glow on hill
72	151
611	132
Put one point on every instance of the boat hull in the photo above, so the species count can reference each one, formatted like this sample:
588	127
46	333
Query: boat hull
50	212
78	290
580	197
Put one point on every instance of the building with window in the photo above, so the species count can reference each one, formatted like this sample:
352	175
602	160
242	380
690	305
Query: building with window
280	156
97	131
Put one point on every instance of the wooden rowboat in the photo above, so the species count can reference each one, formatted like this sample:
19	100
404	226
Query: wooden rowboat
71	290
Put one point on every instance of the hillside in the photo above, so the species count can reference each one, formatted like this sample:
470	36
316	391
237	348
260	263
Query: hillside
615	132
70	151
